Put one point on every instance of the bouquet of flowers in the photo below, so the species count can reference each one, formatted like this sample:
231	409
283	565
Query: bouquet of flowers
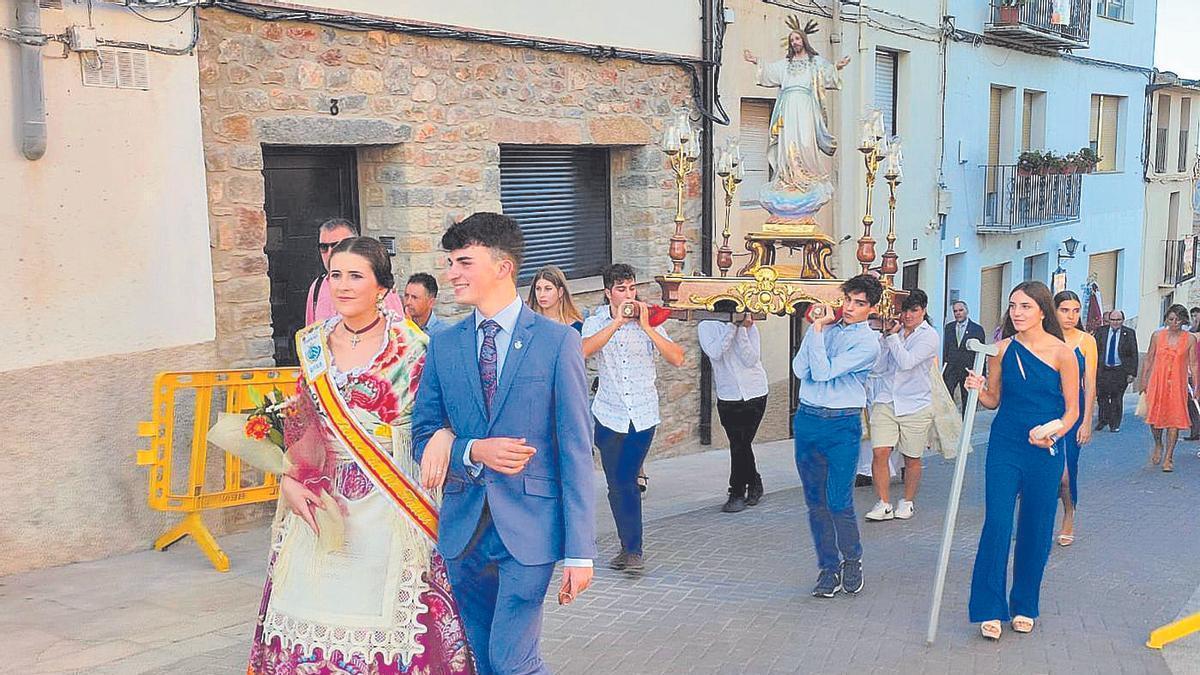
256	436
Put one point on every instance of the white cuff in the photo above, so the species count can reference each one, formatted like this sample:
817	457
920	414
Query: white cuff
576	562
473	468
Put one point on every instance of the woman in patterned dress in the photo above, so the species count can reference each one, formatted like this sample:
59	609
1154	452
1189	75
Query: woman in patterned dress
354	586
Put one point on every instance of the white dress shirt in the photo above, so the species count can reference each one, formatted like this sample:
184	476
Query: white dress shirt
903	369
627	393
736	356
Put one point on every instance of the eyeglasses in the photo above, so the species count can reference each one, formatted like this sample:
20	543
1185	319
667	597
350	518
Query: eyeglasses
329	245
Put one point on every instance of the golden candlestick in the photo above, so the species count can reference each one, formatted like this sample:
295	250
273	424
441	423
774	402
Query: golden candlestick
866	244
682	146
731	172
890	264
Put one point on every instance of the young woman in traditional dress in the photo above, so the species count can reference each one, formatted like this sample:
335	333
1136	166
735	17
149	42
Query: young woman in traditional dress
354	585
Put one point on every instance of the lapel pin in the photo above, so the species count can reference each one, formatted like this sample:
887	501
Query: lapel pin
518	344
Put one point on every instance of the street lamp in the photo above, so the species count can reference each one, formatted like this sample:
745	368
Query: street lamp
1059	281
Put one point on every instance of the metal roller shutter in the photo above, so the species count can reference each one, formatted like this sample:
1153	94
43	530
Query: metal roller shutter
885	88
560	197
754	130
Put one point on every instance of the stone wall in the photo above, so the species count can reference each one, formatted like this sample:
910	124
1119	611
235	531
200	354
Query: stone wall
428	116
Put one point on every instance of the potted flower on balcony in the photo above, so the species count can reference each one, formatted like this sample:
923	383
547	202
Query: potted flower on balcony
1010	12
1083	161
1029	162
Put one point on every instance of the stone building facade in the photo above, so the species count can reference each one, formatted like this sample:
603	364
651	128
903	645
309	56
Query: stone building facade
427	117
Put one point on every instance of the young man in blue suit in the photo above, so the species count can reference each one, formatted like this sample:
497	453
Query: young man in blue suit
518	489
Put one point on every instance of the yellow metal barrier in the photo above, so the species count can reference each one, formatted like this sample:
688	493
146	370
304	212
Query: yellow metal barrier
232	388
1173	631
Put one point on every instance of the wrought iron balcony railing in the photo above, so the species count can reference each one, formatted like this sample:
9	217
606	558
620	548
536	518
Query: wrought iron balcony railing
1179	260
1034	23
1013	201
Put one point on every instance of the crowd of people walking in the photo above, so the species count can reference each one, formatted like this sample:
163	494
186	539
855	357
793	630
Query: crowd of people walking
440	470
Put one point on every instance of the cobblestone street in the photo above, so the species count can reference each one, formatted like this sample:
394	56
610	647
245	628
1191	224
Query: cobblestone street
722	594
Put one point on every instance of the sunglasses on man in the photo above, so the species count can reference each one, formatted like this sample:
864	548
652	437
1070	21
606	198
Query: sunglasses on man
324	246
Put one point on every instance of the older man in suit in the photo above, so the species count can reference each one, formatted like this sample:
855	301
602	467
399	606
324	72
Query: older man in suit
519	493
1118	349
955	355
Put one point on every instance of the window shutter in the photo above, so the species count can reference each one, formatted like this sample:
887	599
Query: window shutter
1094	123
1185	121
1108	133
885	88
1027	121
755	135
994	110
559	195
1103	267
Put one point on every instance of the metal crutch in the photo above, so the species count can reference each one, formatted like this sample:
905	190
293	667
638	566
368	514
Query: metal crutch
960	468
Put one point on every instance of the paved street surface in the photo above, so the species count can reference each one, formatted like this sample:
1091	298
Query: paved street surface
723	593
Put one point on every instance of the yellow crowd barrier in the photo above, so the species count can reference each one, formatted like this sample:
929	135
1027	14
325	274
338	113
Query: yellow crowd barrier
1173	631
228	391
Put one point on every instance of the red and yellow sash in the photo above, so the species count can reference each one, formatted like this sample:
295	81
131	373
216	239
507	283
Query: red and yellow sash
406	494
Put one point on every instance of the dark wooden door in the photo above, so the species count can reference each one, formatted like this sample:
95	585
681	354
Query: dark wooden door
305	186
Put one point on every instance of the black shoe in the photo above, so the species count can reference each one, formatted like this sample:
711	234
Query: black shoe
734	504
862	481
620	562
852	576
1101	426
634	563
754	493
828	584
1115	429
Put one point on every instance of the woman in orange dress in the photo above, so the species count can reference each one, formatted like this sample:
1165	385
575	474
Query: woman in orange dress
1171	361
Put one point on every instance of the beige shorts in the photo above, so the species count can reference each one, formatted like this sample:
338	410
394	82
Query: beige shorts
907	433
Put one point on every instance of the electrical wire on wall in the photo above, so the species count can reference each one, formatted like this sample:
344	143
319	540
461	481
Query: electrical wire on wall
44	39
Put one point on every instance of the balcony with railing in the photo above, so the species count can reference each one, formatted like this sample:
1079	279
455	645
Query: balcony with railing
1034	23
1014	201
1179	260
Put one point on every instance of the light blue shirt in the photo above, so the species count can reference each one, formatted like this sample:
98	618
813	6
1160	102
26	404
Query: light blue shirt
834	364
433	324
507	318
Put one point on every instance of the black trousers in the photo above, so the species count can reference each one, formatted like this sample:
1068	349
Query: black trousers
1110	390
955	377
740	420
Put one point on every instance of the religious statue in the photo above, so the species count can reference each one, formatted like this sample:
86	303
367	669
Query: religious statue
800	143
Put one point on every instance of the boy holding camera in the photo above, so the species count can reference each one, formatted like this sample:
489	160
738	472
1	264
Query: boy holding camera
626	404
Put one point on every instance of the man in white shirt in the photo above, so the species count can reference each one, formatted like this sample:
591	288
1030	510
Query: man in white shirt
626	403
735	350
902	403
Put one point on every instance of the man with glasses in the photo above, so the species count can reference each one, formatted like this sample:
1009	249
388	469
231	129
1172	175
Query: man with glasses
320	299
1118	366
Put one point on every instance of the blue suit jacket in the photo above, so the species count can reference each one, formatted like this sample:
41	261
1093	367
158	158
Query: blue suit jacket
546	512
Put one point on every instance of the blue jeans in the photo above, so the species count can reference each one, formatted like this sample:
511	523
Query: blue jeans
621	455
826	457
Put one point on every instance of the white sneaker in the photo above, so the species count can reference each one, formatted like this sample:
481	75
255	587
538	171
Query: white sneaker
904	509
882	511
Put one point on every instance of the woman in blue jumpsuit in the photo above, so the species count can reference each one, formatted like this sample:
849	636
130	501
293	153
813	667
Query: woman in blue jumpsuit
1033	380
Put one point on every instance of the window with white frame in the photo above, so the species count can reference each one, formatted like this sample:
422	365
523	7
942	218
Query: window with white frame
1113	9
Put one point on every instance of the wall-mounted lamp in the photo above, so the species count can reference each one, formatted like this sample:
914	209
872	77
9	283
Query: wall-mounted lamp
1059	280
